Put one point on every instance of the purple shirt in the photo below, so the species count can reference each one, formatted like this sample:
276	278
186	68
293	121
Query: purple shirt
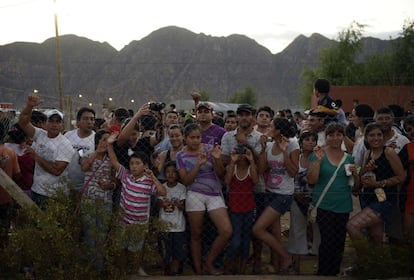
206	180
212	135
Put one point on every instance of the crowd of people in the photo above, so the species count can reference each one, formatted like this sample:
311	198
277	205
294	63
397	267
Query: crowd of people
222	182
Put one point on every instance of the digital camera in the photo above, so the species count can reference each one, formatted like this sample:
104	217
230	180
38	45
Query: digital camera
240	149
156	106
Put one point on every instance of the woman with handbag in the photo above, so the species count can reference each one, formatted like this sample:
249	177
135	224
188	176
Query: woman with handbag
381	173
332	197
96	198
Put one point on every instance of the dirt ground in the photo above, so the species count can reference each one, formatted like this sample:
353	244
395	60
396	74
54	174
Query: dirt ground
240	277
308	264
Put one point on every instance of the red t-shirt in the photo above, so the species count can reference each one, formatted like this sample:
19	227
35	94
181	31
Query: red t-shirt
27	164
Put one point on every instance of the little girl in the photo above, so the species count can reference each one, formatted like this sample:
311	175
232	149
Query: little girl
96	200
138	184
241	177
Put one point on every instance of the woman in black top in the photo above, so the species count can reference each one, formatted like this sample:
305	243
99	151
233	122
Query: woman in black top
381	173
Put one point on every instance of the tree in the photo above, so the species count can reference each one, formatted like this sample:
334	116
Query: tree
247	96
403	56
337	62
204	96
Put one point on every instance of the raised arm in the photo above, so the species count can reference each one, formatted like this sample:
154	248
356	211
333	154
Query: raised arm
26	114
111	153
314	167
291	159
230	168
187	177
218	163
129	128
261	157
254	174
161	191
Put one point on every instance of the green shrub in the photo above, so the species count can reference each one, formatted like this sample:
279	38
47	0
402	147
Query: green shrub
383	260
52	243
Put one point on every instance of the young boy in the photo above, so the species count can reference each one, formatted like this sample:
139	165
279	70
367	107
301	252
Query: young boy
138	184
326	104
171	212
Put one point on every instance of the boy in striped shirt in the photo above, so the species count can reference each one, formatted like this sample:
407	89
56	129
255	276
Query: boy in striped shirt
138	184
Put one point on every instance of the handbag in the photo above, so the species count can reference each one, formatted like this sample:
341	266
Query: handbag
313	209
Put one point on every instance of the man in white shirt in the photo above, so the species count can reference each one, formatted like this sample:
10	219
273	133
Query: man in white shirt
83	142
51	150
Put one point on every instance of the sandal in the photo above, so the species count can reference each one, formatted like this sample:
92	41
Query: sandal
212	271
290	270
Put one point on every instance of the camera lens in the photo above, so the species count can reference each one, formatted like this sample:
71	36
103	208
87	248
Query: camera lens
157	106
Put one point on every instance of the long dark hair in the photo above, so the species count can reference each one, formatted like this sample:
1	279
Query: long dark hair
286	128
98	136
370	127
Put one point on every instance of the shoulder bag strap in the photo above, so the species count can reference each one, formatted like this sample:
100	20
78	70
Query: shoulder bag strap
92	176
325	190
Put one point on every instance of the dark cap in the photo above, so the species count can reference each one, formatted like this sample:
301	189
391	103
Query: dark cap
205	105
246	108
318	113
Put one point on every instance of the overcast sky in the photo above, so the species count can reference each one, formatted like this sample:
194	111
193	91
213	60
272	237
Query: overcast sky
272	23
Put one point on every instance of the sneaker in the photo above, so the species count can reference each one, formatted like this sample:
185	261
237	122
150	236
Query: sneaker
142	273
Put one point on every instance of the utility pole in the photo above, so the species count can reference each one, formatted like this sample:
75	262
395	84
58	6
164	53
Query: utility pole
58	65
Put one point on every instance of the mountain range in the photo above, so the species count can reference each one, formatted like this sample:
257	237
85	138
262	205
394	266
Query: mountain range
165	66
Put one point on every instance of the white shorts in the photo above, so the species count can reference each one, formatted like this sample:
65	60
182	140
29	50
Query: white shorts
199	202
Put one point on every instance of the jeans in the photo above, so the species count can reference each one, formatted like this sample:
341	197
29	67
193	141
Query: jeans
242	234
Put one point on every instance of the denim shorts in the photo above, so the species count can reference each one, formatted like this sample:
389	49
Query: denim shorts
383	208
279	202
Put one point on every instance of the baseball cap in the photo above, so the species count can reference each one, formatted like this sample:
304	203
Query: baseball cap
205	105
317	113
245	108
54	112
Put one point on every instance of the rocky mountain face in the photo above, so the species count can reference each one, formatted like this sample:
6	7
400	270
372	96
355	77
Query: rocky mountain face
166	66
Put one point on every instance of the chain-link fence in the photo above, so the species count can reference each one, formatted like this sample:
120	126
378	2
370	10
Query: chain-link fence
238	209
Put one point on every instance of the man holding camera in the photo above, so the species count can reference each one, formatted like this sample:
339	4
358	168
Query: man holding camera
171	117
244	134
